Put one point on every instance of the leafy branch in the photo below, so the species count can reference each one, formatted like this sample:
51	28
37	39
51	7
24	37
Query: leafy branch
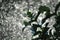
43	34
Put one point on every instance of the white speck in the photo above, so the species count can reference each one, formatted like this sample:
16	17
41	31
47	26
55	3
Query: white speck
39	29
56	39
36	36
36	11
44	12
17	6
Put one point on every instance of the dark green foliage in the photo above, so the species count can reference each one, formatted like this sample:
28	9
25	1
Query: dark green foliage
44	30
43	34
44	8
26	23
29	14
57	7
57	25
41	10
58	14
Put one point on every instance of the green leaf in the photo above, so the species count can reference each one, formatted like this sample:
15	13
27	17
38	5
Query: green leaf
26	23
58	14
29	14
43	8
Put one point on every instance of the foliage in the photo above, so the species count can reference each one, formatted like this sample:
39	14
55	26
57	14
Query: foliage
7	6
43	35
